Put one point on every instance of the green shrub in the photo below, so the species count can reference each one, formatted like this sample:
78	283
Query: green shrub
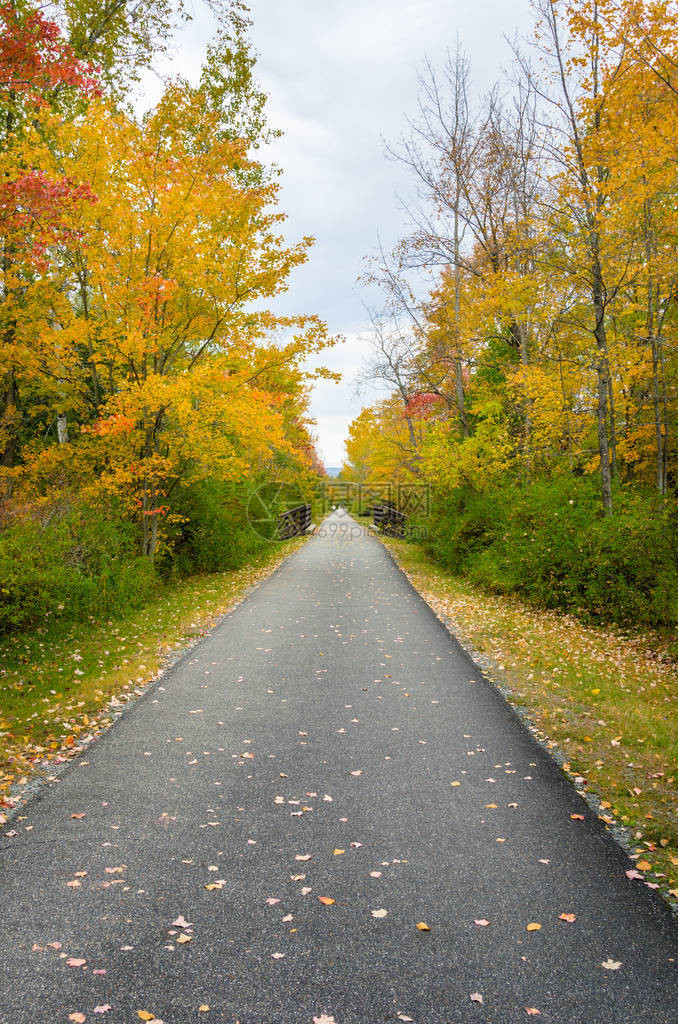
68	564
224	527
550	543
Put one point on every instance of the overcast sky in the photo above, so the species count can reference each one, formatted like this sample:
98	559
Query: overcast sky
341	76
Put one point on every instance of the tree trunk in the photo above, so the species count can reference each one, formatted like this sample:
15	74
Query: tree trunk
458	369
62	428
602	372
10	422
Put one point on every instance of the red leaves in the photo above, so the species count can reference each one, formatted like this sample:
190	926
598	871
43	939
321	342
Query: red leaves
34	58
113	426
36	211
421	405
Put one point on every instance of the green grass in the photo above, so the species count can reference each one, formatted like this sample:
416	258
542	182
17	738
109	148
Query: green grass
56	683
605	698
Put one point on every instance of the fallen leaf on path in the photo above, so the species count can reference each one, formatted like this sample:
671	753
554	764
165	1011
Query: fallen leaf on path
401	1016
324	1019
181	922
272	901
288	917
379	913
338	852
423	927
75	962
277	956
482	922
303	856
455	783
568	917
359	772
532	1011
326	900
78	816
476	997
78	1018
533	926
210	886
145	1015
203	1008
375	874
643	865
103	1008
611	965
577	817
183	938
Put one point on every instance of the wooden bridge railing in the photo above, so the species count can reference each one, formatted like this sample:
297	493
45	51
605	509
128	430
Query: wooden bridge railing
294	522
389	520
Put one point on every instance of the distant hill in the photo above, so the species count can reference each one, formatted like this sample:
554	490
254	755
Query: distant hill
333	470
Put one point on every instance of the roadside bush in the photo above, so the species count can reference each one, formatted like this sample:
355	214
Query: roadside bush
551	544
67	564
216	532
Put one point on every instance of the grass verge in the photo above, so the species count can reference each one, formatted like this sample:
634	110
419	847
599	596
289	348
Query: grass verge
604	701
59	689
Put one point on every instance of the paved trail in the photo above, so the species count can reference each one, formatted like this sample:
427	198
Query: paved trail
327	716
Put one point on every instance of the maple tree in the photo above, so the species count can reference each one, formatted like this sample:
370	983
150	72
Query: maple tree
553	232
544	340
137	353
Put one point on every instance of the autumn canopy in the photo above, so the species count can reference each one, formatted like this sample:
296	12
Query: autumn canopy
138	358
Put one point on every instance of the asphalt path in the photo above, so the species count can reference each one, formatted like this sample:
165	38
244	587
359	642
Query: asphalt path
328	739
